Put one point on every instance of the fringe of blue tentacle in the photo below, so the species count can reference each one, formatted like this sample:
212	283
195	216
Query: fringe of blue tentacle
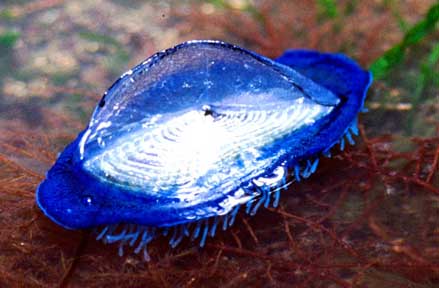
139	237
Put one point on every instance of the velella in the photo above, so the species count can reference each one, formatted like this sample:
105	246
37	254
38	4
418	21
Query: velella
187	138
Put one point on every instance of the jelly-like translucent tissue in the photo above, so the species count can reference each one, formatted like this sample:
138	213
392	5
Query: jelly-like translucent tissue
183	140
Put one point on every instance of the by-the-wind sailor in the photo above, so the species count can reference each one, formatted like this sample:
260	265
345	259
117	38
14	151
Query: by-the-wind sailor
184	140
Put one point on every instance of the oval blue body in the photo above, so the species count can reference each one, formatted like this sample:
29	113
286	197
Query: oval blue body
197	131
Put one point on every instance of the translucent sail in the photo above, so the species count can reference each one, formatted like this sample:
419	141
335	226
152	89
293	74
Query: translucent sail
197	118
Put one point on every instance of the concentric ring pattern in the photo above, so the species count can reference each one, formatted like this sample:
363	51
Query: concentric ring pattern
215	146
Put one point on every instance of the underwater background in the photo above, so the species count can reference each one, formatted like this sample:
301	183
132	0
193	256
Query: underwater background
369	216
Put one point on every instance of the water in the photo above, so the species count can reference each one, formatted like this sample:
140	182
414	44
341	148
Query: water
362	219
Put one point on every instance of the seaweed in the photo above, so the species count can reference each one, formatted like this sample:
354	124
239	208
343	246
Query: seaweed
352	223
383	65
367	218
327	8
8	39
